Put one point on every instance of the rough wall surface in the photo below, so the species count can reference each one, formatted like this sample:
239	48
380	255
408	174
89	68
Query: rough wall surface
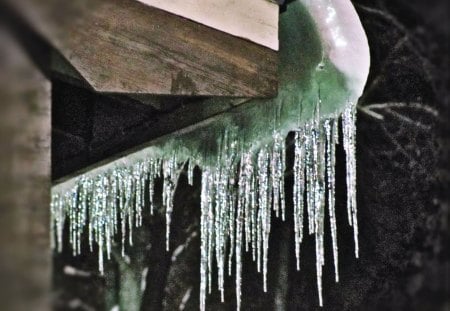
25	107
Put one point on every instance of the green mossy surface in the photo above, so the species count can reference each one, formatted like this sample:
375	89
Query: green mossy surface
307	79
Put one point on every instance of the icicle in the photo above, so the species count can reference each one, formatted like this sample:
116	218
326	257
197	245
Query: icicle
309	165
128	203
73	219
319	201
299	190
205	236
240	190
138	200
58	216
349	138
118	175
190	172
239	239
170	175
277	168
220	227
245	192
154	172
232	196
332	139
242	173
264	210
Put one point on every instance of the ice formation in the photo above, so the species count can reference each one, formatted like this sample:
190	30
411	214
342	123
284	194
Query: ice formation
242	158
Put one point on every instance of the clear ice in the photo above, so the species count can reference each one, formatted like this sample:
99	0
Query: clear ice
243	171
239	196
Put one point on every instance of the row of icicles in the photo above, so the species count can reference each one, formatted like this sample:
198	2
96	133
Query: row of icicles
238	197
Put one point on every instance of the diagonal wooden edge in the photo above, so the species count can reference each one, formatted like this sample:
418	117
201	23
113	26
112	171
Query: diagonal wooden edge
124	46
173	127
255	20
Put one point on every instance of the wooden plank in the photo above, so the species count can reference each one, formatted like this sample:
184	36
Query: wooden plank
124	46
254	20
25	258
136	125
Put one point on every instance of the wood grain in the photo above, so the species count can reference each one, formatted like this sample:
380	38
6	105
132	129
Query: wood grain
25	257
123	46
255	20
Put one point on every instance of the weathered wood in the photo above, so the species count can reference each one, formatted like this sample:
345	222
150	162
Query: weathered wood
25	258
185	118
254	20
123	46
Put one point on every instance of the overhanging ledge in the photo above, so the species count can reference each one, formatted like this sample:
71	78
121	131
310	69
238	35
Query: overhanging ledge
124	46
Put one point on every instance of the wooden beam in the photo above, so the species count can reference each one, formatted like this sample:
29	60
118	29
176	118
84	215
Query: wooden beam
254	20
126	132
124	46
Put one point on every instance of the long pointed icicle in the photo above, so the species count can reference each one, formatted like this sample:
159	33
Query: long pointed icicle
170	175
349	138
299	190
238	196
205	238
332	139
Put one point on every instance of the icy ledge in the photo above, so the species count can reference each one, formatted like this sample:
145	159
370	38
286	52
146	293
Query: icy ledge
242	157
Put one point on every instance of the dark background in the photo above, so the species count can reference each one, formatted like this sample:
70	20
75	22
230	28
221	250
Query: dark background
403	178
